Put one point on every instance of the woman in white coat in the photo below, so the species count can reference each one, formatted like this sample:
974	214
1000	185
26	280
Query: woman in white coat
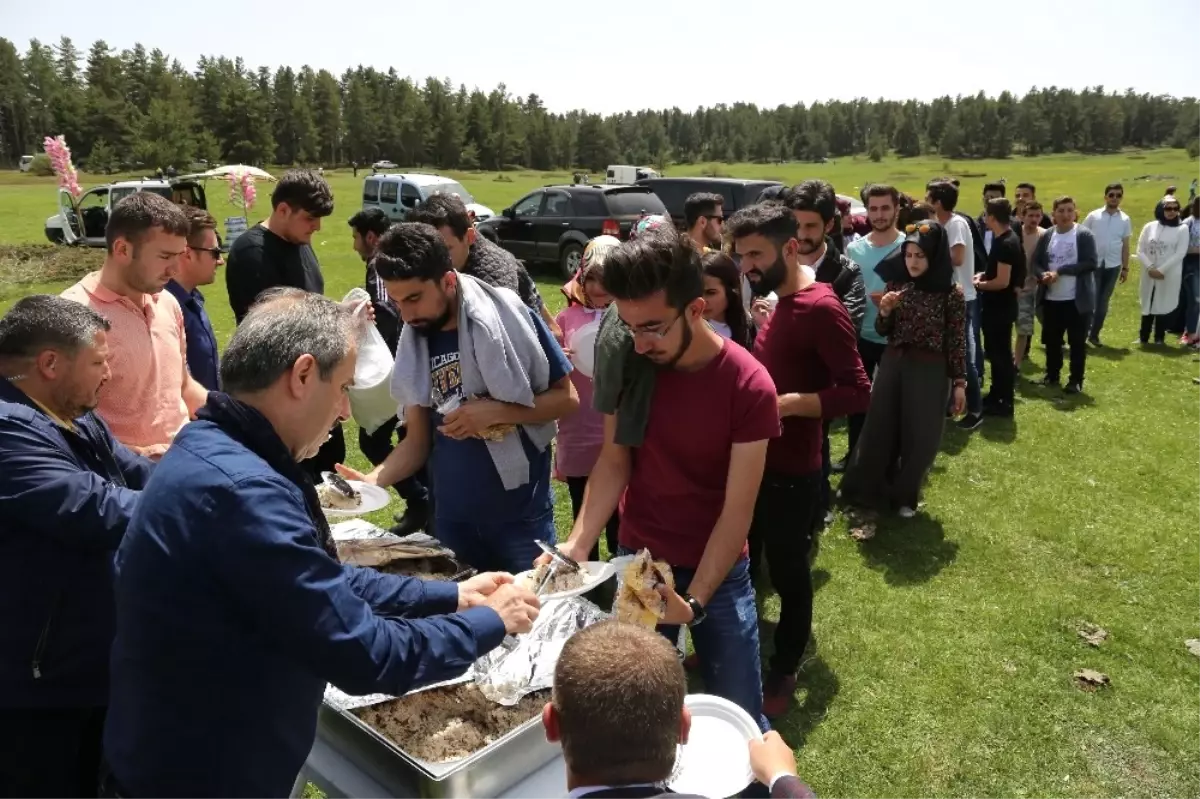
1161	248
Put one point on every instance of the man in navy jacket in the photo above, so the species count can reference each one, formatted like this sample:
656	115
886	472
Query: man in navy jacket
67	492
232	609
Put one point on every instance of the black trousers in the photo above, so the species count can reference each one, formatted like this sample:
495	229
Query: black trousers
1061	318
784	517
997	326
50	752
331	452
576	487
378	445
1156	322
871	353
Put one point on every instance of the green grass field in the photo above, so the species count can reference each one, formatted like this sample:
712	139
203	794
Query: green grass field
946	644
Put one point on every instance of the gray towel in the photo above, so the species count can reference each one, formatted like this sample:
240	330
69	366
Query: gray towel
499	356
624	381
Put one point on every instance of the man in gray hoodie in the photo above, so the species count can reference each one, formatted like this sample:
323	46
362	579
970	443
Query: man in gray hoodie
1063	265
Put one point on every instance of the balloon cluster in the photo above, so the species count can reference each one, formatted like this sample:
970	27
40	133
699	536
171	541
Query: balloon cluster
60	158
241	189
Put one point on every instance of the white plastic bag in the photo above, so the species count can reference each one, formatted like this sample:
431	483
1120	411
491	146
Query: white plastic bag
371	402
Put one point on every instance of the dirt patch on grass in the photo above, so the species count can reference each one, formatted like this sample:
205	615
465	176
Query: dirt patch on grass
1131	769
24	264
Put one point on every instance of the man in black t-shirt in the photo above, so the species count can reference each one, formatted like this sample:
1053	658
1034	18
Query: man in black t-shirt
278	252
997	286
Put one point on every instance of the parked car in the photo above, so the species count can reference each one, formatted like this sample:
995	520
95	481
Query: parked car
26	163
737	193
625	174
82	222
378	165
554	223
399	194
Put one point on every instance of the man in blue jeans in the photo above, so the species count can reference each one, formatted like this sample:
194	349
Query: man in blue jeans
687	492
467	366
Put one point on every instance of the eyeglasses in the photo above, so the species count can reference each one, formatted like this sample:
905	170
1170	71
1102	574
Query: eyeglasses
922	228
1113	195
655	335
215	252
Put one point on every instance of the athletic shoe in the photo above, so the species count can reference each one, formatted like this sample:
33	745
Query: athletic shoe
970	421
906	512
1073	388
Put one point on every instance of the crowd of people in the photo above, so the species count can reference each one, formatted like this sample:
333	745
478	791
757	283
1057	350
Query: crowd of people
175	590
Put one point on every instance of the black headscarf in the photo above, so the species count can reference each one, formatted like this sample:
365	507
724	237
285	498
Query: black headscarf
930	236
245	424
1161	215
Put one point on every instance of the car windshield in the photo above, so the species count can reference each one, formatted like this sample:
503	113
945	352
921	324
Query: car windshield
448	187
121	193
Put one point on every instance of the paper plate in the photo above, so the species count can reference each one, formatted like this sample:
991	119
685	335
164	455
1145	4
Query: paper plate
716	760
373	498
598	571
583	345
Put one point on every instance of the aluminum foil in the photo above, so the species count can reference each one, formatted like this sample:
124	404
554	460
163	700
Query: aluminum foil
526	663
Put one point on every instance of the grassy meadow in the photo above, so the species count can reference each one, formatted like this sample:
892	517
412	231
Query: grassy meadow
946	645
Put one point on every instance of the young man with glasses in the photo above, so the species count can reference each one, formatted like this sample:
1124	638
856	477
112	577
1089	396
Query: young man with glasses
704	215
687	492
1113	230
198	267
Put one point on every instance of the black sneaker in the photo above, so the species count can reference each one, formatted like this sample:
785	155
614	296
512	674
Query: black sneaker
1049	382
1095	341
999	410
970	421
1073	388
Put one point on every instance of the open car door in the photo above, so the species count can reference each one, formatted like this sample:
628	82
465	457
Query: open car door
72	225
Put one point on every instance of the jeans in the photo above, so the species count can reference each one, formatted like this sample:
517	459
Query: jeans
997	343
975	317
498	546
974	355
576	487
378	445
871	353
1059	318
1106	281
50	751
783	521
1191	294
726	641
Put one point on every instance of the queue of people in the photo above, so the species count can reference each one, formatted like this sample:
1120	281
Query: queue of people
697	429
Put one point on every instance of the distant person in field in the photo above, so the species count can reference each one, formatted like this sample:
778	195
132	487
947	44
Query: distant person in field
1063	263
1191	278
990	192
1113	230
1031	231
1027	193
198	267
997	287
151	394
704	215
1162	247
278	253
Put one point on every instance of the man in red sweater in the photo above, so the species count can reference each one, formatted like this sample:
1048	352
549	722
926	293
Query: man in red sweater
810	349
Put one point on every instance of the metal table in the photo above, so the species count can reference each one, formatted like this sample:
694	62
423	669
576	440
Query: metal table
342	767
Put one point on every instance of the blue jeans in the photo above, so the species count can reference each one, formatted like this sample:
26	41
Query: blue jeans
498	546
974	356
1191	293
1106	282
727	640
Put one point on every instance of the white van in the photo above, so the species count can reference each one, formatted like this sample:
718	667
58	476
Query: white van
623	175
26	162
399	194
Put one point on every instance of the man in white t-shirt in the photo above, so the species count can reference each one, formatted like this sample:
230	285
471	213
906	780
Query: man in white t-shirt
942	196
1063	264
1113	230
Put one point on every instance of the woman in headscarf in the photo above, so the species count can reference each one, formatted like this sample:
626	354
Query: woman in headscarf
723	306
581	434
1161	249
923	314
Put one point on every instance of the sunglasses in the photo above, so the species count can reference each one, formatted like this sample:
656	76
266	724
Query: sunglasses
1170	208
1113	195
922	228
215	252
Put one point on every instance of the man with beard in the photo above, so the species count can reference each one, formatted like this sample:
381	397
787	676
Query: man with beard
704	215
482	381
883	204
814	205
687	492
151	394
67	492
809	348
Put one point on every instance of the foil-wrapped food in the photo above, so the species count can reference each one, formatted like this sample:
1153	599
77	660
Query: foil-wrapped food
508	673
638	600
393	555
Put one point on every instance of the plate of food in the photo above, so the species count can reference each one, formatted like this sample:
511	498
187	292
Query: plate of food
567	584
715	762
342	497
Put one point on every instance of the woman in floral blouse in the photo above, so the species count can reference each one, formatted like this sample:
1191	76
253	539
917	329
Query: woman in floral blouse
921	313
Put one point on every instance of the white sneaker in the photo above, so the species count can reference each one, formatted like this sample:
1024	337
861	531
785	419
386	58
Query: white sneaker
907	512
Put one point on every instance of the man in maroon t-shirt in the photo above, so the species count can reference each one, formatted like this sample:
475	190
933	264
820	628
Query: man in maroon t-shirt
687	493
810	348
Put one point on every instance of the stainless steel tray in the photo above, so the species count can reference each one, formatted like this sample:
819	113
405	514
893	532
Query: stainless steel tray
487	773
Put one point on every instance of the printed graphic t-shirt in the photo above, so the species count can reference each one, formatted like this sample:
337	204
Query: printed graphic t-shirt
466	486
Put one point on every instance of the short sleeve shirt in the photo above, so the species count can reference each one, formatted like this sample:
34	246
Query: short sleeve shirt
143	400
1007	249
959	232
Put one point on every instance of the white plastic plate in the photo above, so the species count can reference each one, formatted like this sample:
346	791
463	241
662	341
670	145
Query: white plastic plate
373	498
597	572
716	760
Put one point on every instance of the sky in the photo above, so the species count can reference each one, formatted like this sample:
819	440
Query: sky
608	58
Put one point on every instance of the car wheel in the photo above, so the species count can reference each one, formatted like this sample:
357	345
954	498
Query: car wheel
569	258
55	235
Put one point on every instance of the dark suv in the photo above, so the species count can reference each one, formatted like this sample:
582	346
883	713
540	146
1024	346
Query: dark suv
737	193
554	223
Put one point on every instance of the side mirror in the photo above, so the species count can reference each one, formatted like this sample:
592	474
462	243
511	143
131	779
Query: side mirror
508	213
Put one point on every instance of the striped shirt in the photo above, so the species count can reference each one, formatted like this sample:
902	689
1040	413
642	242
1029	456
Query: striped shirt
143	400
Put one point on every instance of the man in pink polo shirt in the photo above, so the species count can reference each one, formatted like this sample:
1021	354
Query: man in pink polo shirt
151	395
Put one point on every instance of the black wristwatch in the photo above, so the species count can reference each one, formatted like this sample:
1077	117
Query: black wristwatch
699	614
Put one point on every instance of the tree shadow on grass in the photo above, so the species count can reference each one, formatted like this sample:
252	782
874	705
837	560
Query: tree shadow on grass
908	551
